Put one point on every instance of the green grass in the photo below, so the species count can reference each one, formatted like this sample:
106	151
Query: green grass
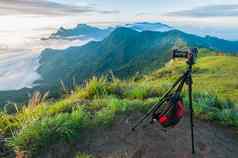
214	74
80	155
39	134
97	104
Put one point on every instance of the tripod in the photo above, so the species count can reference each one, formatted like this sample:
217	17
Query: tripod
178	85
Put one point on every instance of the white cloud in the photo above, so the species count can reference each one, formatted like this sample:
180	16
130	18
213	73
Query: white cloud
39	7
43	7
20	46
225	10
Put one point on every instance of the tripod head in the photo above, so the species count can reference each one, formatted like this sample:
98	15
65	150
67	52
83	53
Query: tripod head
190	55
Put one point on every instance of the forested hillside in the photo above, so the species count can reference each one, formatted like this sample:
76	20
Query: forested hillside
124	52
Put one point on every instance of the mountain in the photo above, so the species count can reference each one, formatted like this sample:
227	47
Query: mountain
125	52
81	31
221	44
146	26
90	32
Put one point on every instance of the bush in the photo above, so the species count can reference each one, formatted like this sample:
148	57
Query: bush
117	88
11	108
40	134
8	124
96	87
210	107
140	91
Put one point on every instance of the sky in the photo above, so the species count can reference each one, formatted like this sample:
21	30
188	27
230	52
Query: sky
21	19
33	18
24	22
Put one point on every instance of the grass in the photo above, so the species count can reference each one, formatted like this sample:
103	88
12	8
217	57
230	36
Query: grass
214	74
40	133
82	155
36	127
210	107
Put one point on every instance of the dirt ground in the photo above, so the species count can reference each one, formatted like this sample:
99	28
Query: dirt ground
151	141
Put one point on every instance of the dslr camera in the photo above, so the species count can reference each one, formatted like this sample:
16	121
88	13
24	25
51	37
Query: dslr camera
190	55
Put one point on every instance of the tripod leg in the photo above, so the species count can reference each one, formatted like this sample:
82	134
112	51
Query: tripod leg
163	99
191	111
148	114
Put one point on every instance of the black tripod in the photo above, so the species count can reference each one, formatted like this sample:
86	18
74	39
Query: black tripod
178	85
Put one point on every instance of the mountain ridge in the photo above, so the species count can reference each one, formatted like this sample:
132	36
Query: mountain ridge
125	52
81	30
97	33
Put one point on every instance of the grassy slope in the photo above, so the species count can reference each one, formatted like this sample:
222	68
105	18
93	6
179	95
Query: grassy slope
213	74
37	127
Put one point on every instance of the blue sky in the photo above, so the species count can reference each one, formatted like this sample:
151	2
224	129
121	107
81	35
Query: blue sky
215	17
156	7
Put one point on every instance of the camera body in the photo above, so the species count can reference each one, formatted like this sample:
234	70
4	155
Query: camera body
190	55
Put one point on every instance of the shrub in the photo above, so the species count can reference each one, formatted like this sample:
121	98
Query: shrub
210	107
104	117
96	87
40	134
8	124
140	91
117	88
11	108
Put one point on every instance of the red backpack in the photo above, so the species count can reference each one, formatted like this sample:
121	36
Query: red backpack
172	113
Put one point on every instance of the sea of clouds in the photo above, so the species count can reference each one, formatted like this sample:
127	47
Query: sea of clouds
19	63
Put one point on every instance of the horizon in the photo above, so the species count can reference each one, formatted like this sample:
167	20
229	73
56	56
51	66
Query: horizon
26	21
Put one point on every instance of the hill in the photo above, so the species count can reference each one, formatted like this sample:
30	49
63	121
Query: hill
146	26
124	51
41	128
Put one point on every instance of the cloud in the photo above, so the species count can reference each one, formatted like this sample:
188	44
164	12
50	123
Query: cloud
44	7
208	11
109	12
143	14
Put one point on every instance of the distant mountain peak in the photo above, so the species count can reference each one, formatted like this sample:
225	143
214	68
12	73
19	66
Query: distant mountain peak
85	26
122	33
97	33
150	23
213	37
148	26
176	31
123	30
81	31
62	28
